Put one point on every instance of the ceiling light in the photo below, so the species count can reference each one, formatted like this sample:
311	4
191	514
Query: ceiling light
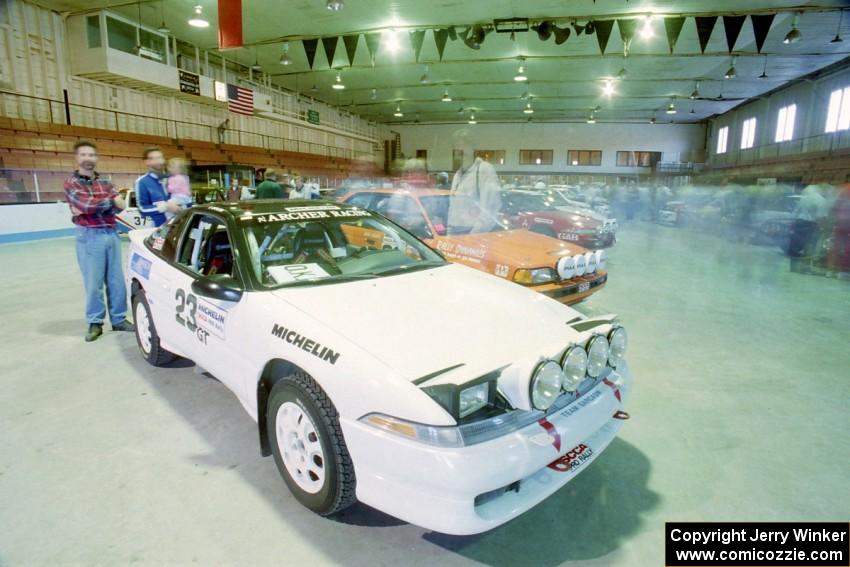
591	119
425	79
731	73
373	94
446	97
524	94
621	74
837	38
391	41
764	70
284	59
646	31
338	85
695	94
256	66
528	109
198	20
520	74
162	27
794	35
608	88
398	113
335	5
472	119
460	110
692	110
314	88
671	108
652	120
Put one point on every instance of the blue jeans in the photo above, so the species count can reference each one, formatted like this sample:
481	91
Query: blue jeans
99	257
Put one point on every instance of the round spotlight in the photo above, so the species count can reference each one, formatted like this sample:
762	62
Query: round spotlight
546	384
574	366
590	261
618	340
597	356
567	268
601	259
581	264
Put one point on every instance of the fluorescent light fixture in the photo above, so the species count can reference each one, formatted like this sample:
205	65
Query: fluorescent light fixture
285	59
446	97
520	76
338	84
198	20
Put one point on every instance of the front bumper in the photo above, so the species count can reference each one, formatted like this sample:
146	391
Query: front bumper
469	490
574	290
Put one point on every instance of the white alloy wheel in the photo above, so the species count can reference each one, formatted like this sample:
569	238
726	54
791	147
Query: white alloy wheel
300	447
143	328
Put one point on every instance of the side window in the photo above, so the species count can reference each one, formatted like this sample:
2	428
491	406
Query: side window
164	240
361	200
206	248
406	212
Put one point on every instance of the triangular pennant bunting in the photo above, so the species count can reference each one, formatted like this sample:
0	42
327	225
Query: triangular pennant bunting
732	25
373	41
416	38
761	25
603	32
350	42
705	25
310	46
674	28
627	30
330	43
440	38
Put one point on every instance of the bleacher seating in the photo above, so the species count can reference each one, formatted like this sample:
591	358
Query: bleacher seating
28	147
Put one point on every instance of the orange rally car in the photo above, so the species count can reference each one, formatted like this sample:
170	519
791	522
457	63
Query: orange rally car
561	270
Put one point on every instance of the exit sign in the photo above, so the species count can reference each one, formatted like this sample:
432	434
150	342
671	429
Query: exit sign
313	117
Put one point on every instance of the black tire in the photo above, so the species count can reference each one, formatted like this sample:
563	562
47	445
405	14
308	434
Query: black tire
157	356
338	491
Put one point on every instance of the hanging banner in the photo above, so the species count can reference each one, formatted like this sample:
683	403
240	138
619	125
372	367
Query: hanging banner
674	28
603	32
190	83
229	24
732	25
350	42
310	46
330	43
627	29
705	25
416	38
373	41
440	38
761	25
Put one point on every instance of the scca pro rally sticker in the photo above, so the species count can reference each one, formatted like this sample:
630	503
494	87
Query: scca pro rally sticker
573	459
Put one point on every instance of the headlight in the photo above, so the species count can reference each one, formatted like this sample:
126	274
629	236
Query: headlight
581	264
618	340
567	267
535	276
597	356
574	365
546	384
474	398
590	259
601	259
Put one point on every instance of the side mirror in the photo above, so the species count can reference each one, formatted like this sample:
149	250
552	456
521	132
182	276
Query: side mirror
225	289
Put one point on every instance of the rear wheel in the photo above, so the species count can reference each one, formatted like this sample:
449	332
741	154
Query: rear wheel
146	335
308	446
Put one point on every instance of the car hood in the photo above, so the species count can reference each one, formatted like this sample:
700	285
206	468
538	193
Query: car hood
425	321
519	248
581	211
580	220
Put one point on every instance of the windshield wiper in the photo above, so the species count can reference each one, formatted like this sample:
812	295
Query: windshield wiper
332	280
409	268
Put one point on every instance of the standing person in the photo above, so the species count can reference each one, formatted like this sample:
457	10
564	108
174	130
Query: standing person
150	188
234	191
178	186
298	191
94	202
222	130
839	254
478	180
270	188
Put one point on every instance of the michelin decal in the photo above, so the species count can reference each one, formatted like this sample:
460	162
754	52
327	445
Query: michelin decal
308	345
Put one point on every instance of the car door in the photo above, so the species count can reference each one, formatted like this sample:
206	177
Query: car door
164	243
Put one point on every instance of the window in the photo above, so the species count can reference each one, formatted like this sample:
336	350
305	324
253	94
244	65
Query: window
838	115
584	157
785	123
492	156
164	240
722	139
748	133
121	35
206	247
637	159
93	30
535	157
404	211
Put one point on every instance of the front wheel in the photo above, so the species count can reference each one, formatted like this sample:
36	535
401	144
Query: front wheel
308	446
146	335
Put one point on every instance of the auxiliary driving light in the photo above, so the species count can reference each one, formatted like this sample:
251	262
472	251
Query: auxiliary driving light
590	259
597	356
574	365
581	264
618	340
601	259
567	267
546	384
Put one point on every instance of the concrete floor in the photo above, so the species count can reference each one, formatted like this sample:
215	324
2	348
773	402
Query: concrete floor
739	413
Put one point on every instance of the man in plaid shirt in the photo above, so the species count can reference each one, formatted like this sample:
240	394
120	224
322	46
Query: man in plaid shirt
94	203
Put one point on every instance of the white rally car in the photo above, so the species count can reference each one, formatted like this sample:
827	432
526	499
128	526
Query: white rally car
377	371
131	218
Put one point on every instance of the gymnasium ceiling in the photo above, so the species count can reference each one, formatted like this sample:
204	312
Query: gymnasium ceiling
565	82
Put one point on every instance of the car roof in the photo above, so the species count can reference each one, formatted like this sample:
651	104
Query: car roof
264	206
429	192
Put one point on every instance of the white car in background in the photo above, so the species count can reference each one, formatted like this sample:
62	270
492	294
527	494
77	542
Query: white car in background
376	370
130	218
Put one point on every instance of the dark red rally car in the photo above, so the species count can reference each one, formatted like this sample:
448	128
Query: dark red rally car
539	213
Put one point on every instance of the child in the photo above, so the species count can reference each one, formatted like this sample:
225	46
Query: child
178	184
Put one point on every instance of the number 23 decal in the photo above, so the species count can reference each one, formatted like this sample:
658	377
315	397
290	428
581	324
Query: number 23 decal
188	303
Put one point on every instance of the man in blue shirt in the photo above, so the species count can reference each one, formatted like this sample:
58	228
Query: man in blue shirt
150	188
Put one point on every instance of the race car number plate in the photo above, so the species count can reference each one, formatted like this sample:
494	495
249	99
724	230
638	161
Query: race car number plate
583	287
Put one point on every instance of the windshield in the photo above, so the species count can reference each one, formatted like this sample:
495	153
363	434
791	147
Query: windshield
458	214
528	202
321	244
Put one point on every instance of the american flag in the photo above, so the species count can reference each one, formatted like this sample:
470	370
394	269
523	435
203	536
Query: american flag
240	100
